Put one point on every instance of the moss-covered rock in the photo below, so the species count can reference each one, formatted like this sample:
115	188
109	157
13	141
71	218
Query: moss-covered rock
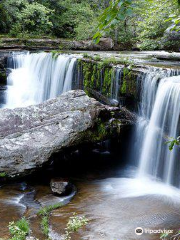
3	77
98	78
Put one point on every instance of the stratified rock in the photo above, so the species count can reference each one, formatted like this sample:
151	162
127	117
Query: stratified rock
51	44
30	136
61	187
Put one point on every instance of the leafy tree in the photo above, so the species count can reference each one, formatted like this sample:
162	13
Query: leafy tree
117	11
143	24
140	21
23	17
33	18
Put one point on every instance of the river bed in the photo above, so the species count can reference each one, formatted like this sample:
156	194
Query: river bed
114	200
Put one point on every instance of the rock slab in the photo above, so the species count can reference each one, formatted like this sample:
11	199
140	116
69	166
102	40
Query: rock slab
30	136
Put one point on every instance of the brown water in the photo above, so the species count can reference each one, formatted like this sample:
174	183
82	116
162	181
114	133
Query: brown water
108	194
112	207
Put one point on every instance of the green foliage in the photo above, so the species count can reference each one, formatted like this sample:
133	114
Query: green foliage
173	143
74	224
72	18
97	58
32	19
44	213
175	20
132	24
45	225
117	11
47	210
19	230
55	54
140	23
86	55
3	174
164	236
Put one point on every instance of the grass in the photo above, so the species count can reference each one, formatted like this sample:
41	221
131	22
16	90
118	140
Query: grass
45	225
44	213
20	230
74	224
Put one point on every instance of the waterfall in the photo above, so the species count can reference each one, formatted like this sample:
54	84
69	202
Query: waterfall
116	83
36	77
159	114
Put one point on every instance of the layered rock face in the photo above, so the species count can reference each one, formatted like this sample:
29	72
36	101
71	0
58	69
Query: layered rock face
51	44
30	136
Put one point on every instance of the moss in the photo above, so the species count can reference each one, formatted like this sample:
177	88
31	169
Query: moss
97	58
98	133
87	75
85	55
3	77
98	76
106	88
108	61
124	87
102	130
55	54
127	73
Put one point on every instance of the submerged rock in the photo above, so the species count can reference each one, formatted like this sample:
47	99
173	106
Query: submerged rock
30	136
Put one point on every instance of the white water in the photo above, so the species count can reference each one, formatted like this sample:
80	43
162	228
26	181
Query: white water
116	83
159	119
37	77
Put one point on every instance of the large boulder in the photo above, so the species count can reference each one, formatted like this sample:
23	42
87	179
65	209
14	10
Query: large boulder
30	136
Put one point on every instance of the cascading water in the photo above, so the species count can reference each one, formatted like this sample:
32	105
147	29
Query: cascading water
159	119
37	77
116	83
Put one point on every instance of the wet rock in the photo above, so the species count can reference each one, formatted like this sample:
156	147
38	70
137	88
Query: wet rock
49	200
168	56
3	65
31	238
61	186
106	43
30	136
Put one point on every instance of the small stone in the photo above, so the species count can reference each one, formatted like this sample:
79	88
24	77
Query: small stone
61	187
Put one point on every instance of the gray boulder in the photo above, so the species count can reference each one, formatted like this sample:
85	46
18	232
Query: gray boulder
30	136
61	187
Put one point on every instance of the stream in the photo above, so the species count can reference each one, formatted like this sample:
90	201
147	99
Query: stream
121	184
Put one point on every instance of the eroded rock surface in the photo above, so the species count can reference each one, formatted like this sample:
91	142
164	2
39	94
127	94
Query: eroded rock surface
30	136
